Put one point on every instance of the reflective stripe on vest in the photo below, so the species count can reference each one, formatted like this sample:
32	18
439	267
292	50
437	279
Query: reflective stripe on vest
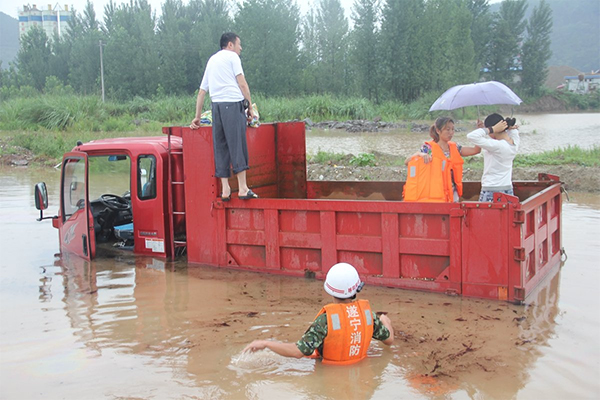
349	332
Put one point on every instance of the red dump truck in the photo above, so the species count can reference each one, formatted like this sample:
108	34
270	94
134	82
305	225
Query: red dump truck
170	206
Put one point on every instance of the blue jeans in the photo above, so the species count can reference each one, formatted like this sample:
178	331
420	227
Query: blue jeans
488	195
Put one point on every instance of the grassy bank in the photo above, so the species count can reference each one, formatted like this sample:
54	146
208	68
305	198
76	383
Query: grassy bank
73	113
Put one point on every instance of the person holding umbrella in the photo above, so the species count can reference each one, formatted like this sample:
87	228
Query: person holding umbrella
499	139
435	171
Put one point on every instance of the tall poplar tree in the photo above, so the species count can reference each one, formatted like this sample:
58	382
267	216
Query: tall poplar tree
131	56
504	46
84	37
481	29
33	57
310	54
271	59
536	49
402	49
210	19
365	47
332	33
173	55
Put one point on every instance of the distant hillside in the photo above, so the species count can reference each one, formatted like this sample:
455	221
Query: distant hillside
9	39
575	33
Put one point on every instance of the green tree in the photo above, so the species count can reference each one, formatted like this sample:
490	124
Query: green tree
271	59
536	49
481	23
210	19
59	65
84	40
460	51
310	57
173	28
33	57
507	34
364	48
332	32
403	49
131	56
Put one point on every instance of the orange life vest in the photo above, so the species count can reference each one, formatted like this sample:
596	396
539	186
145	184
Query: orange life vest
433	181
349	332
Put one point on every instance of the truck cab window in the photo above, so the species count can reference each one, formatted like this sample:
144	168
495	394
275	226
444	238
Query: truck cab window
73	187
146	177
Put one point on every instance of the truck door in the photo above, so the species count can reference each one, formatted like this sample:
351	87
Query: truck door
76	225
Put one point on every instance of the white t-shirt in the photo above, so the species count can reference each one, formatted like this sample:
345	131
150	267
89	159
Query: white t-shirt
220	77
498	156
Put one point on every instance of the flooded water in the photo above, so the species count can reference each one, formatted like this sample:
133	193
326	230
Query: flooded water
129	327
139	328
538	133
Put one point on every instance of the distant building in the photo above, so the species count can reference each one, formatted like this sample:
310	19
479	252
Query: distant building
50	19
582	83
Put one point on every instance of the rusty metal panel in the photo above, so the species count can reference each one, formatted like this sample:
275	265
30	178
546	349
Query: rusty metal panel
291	160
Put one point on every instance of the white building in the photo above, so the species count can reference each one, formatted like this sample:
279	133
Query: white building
582	83
50	19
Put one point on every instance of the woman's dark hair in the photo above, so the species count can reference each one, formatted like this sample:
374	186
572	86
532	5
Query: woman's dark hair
439	124
226	38
492	120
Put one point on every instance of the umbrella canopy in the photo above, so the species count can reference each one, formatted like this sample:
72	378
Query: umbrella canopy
476	94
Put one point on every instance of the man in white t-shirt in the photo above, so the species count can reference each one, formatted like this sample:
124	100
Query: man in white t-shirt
499	142
224	80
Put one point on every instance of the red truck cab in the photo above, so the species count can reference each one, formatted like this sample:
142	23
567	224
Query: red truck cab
138	217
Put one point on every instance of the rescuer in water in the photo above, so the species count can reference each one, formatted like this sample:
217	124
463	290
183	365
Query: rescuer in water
224	79
342	330
435	171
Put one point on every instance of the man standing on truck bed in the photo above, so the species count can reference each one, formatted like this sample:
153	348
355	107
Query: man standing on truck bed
224	79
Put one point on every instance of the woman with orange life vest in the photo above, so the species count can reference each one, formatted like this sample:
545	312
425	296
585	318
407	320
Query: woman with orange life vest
435	172
342	331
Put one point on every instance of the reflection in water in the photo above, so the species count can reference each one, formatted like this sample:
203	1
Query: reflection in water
196	321
137	327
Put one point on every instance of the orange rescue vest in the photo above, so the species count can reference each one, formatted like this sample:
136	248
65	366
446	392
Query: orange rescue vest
433	181
349	332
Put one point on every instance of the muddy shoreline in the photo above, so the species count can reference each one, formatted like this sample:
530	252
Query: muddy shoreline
576	177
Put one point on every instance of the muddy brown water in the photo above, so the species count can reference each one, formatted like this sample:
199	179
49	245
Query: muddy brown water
539	132
140	328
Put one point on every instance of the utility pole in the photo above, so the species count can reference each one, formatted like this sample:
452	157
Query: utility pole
101	71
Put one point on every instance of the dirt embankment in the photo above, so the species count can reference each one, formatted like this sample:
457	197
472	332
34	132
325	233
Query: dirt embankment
576	177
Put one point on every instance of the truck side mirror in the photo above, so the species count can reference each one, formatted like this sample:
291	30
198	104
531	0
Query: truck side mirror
41	196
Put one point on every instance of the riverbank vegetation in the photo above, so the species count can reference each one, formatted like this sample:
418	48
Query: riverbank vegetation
59	111
569	155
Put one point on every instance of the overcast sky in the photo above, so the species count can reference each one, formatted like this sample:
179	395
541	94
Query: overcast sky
12	7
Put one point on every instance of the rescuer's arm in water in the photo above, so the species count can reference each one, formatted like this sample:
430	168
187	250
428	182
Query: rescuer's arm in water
388	324
283	349
199	103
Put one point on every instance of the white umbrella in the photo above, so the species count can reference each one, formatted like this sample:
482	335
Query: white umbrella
476	94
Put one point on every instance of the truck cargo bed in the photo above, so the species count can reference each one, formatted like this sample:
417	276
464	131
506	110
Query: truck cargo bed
499	250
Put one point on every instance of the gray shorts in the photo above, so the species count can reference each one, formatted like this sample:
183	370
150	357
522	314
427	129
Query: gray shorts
229	138
488	195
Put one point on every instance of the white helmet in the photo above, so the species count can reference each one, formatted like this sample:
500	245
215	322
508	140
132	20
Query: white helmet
342	281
